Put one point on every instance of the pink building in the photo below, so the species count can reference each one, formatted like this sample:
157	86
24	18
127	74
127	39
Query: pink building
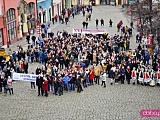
17	18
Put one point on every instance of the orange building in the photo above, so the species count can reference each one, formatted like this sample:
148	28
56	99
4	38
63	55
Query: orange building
17	18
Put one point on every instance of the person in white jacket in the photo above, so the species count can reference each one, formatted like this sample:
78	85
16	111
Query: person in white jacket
104	78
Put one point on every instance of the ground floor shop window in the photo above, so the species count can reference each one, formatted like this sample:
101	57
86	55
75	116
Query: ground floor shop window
11	27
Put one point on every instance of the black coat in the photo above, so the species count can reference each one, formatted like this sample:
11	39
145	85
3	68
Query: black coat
1	82
128	74
38	71
39	81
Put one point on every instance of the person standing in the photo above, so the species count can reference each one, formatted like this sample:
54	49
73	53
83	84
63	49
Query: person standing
83	13
55	84
56	17
78	83
10	87
1	83
133	76
123	73
60	85
39	81
45	86
66	80
33	84
89	16
25	67
131	24
73	15
128	74
86	24
66	20
110	23
104	78
97	23
97	74
86	17
53	20
91	77
28	38
33	40
102	22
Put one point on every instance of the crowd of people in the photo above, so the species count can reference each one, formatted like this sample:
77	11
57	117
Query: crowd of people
72	61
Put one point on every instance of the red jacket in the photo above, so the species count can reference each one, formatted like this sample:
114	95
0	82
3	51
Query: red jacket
91	75
45	85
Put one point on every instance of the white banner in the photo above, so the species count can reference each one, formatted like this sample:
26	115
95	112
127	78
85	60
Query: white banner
24	77
89	31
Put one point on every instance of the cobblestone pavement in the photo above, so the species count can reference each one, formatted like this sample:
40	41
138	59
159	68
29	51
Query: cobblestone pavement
117	102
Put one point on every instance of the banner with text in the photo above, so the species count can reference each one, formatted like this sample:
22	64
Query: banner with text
24	77
89	31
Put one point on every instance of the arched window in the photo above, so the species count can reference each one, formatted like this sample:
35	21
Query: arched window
30	8
11	25
10	14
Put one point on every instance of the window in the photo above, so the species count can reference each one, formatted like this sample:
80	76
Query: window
10	14
30	8
11	27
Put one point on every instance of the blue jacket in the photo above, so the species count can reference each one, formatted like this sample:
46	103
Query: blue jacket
40	54
147	57
14	55
65	80
122	71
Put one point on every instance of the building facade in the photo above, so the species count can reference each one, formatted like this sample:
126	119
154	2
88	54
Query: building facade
1	25
17	19
57	7
44	10
66	3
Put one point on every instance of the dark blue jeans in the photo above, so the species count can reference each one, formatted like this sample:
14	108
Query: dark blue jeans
71	87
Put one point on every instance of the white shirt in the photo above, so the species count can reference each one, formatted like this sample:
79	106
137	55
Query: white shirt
104	77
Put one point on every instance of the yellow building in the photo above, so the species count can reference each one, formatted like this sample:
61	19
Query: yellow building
74	2
120	2
85	2
98	2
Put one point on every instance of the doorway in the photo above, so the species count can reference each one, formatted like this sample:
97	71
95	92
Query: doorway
93	2
103	2
1	38
50	15
44	16
22	21
119	2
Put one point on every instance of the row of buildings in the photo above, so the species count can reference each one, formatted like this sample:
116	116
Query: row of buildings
19	17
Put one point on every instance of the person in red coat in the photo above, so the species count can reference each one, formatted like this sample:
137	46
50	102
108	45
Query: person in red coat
91	76
45	86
